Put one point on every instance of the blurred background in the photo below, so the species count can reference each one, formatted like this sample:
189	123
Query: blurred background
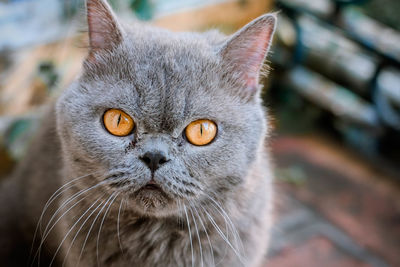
333	95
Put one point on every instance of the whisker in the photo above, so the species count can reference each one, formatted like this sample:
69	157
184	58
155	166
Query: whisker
66	202
198	236
69	200
180	222
208	237
101	225
190	234
48	230
223	236
91	227
66	235
233	228
76	235
227	237
118	220
53	197
63	189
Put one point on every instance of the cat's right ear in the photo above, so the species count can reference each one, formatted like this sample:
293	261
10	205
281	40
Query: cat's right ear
104	29
244	52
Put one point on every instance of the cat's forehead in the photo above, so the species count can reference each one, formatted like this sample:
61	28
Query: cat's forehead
164	78
179	53
160	56
174	88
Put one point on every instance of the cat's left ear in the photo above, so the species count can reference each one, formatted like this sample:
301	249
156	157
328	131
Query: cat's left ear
104	29
245	51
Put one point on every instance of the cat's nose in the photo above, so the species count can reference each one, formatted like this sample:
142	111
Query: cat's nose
154	160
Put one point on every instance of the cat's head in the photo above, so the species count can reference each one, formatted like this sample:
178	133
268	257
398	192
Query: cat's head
164	118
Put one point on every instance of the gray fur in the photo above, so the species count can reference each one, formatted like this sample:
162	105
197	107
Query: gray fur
164	81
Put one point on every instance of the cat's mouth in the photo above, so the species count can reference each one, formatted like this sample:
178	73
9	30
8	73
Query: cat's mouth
152	185
153	190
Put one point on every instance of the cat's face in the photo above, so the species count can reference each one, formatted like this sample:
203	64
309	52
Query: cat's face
163	82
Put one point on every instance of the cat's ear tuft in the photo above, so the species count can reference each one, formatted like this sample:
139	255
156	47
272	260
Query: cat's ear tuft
244	52
104	30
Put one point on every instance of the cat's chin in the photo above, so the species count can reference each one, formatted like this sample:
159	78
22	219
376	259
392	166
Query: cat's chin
151	201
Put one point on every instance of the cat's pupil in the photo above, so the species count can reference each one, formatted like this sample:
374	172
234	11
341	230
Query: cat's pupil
119	119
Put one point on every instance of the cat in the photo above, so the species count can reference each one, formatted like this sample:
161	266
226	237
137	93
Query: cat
154	156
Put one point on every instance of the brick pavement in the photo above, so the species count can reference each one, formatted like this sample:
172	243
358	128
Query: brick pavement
332	208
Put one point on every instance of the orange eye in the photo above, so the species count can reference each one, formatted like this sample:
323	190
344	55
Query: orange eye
201	132
118	122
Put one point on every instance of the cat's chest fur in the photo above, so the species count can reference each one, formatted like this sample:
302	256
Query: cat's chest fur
149	242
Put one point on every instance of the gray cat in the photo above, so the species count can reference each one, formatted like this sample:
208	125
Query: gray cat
154	156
